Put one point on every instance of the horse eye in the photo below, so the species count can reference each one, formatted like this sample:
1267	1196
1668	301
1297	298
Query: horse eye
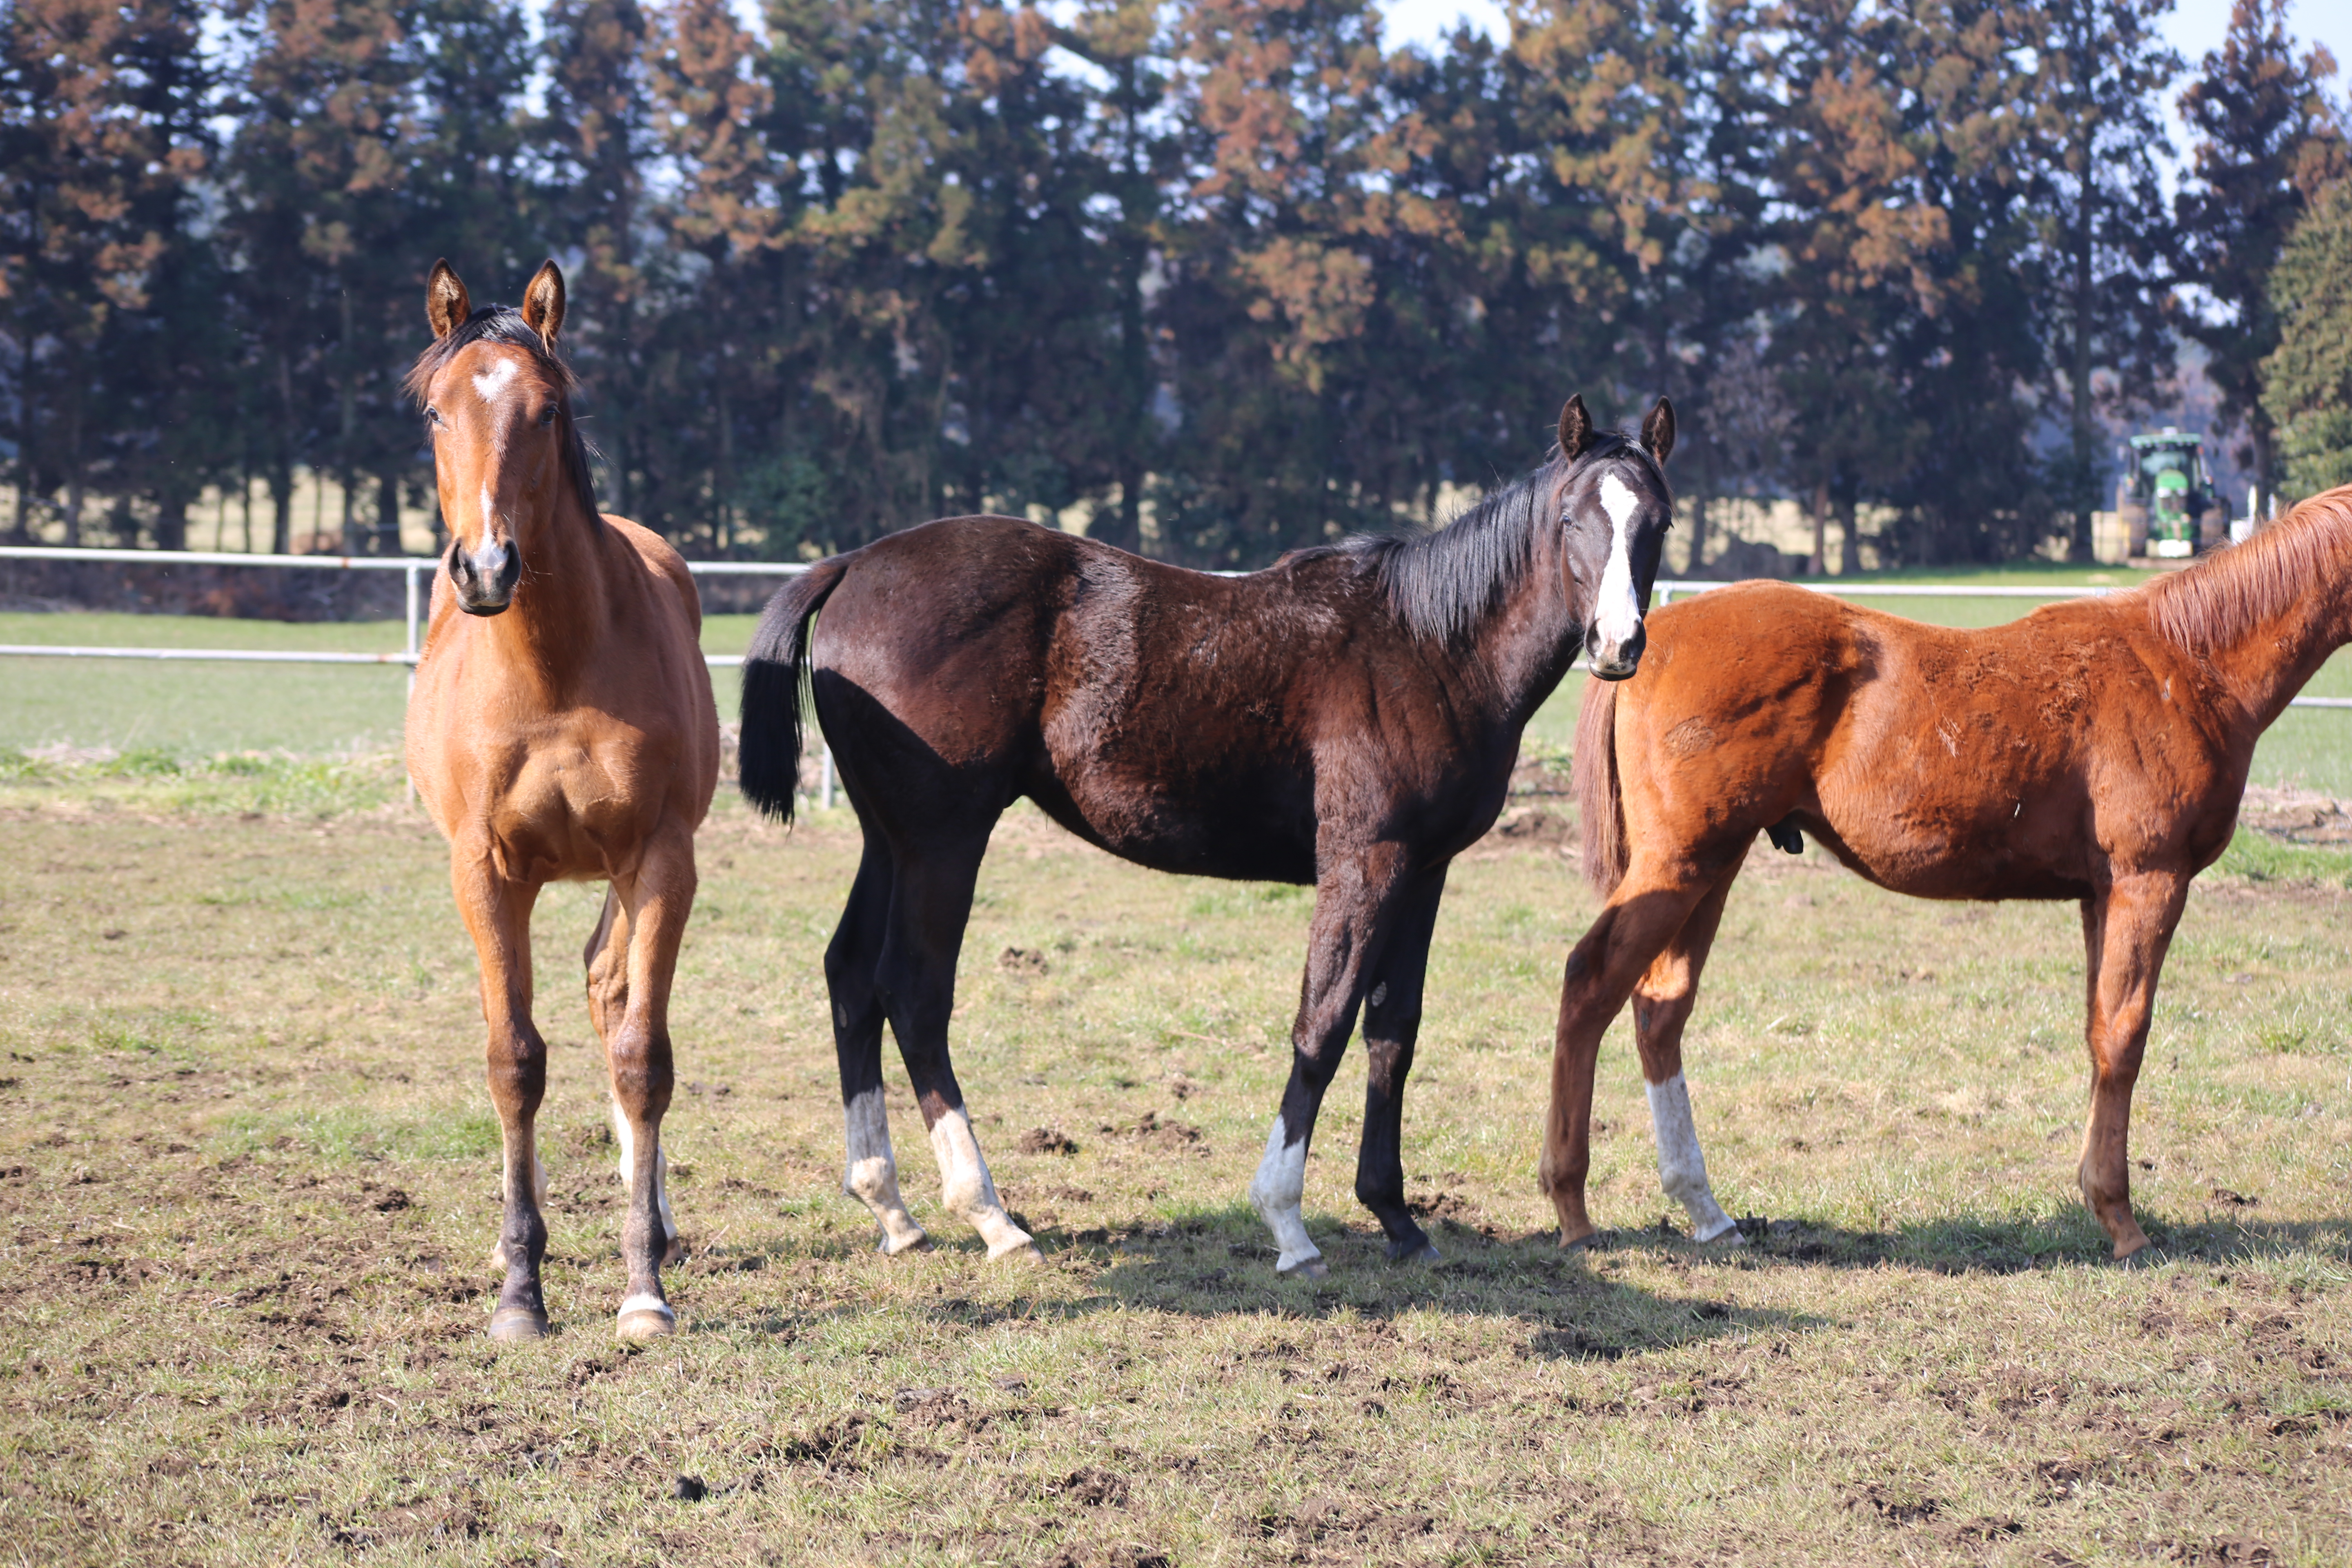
432	414
547	415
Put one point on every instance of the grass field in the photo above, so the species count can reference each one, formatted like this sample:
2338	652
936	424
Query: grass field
247	1174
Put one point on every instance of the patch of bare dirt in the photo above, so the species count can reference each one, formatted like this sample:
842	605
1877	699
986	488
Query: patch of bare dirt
2296	816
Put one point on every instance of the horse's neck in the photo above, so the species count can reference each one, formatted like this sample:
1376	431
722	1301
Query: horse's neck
2276	654
1527	643
560	610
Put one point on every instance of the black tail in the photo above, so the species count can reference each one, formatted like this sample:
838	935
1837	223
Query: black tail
776	685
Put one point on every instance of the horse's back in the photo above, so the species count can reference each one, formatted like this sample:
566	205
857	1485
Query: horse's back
663	561
1122	694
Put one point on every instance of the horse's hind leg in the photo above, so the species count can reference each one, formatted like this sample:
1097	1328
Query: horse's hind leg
607	958
656	901
1662	999
497	916
929	901
1392	1026
1640	919
853	962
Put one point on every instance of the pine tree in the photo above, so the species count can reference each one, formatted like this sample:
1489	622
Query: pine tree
2307	379
2102	216
2267	141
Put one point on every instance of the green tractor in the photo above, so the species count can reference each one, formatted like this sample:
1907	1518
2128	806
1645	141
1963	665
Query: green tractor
2171	492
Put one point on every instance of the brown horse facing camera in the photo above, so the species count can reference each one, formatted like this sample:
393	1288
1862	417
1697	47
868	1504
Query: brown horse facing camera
2093	751
1347	718
562	730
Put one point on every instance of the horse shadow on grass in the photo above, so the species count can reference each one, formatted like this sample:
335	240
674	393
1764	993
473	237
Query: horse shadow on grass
1217	1263
2017	1244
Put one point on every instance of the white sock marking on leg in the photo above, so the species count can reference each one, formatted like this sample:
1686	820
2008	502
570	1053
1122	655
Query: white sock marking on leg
1682	1166
1276	1190
871	1173
626	1137
642	1302
966	1187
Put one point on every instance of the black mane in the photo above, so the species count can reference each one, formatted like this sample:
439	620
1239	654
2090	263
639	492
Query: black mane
1442	581
504	324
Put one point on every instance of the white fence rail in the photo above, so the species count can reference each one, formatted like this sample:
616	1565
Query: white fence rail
414	567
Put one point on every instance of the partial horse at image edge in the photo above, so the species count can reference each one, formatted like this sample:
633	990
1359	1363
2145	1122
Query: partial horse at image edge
2095	750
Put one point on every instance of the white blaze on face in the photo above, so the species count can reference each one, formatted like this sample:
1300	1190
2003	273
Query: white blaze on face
1682	1167
1617	612
871	1175
967	1189
1276	1192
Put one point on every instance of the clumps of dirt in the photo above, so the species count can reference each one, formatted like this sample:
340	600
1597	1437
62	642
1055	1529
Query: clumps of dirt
2233	1199
1045	1140
2296	816
1026	962
1093	1487
1980	1531
2235	1550
1125	1554
1167	1137
1451	1210
1532	825
1896	1507
832	1445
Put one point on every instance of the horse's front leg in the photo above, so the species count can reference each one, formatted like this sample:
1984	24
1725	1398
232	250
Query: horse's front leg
654	902
1356	905
1392	1026
2126	932
497	913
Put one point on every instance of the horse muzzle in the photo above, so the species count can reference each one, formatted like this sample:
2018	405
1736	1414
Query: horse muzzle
485	578
1619	660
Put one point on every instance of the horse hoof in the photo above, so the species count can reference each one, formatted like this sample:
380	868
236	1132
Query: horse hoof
1584	1243
1022	1251
1727	1240
509	1324
1423	1252
890	1246
1305	1268
646	1323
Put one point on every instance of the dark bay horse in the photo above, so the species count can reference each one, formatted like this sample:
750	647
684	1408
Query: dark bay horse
562	730
2093	751
1347	718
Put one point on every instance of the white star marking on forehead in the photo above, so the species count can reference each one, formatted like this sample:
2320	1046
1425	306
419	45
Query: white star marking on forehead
492	381
1617	498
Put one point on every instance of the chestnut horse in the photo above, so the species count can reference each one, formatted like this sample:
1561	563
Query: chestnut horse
2093	751
562	730
1347	718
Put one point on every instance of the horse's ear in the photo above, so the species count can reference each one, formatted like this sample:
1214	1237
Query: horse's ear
543	303
1658	432
1575	428
447	305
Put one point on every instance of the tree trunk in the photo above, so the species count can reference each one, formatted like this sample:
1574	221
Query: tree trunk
281	472
387	514
2079	547
1850	524
170	516
1819	565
